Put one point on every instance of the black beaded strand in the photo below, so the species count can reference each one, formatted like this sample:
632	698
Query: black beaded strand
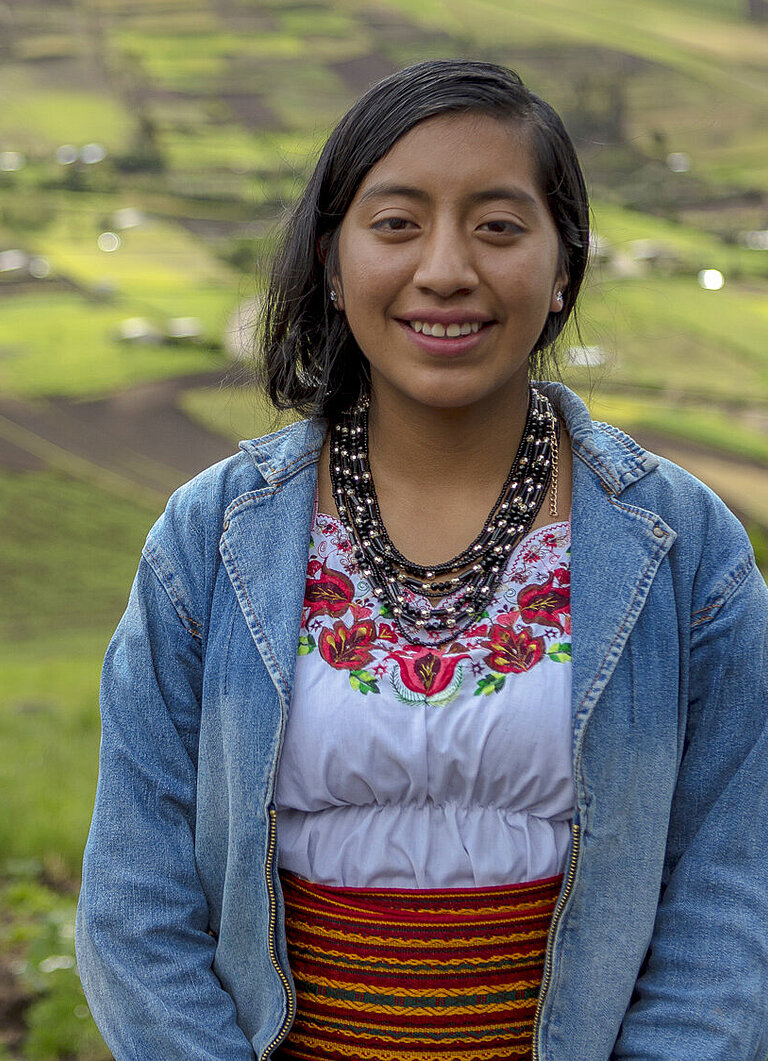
477	570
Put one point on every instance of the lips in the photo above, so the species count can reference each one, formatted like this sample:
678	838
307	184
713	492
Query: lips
447	325
451	338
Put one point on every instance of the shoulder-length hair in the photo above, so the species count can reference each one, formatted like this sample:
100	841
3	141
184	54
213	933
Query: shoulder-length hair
311	362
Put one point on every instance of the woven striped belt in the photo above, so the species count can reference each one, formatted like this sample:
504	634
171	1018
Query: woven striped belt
392	975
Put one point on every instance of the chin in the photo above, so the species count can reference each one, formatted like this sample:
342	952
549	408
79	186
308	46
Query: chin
449	397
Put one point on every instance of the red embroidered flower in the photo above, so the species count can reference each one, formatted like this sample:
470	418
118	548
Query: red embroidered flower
426	671
508	619
544	603
329	594
512	653
562	575
348	648
387	633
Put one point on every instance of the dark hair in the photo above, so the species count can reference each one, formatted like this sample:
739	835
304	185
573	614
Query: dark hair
311	362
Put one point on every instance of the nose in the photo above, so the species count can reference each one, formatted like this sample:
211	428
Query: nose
445	265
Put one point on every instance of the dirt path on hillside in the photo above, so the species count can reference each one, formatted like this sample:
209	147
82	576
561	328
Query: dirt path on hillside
137	442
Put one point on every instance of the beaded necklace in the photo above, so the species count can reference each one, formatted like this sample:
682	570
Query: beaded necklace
460	588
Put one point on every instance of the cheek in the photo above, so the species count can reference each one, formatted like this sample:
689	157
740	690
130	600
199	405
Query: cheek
369	273
532	281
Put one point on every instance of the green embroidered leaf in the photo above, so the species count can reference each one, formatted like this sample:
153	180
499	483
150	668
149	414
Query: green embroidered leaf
491	683
307	644
385	611
362	681
560	653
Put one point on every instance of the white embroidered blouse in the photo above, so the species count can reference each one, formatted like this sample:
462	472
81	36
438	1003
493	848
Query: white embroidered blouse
413	767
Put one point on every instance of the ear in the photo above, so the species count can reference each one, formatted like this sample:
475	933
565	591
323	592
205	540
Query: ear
557	302
338	302
321	246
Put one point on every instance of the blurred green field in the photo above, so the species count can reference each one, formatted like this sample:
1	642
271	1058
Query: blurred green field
68	555
69	349
48	716
43	118
211	115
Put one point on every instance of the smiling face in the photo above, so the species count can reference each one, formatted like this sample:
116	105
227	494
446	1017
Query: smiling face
449	263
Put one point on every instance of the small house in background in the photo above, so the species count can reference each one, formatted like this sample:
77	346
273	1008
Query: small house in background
184	330
600	249
127	217
241	328
755	240
11	161
639	258
586	356
178	330
19	267
138	330
13	261
653	255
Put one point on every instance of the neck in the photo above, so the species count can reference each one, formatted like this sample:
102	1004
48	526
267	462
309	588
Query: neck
416	442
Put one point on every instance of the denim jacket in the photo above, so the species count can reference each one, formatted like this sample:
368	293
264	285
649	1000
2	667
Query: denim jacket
658	949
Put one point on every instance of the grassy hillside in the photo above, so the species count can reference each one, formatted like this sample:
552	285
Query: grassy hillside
147	151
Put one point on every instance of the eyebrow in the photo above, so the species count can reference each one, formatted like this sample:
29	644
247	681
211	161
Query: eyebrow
509	192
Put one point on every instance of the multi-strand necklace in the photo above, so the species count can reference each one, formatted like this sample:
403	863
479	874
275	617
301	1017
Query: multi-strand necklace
458	590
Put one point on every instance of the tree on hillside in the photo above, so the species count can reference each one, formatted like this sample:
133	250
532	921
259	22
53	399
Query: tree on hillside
598	110
7	30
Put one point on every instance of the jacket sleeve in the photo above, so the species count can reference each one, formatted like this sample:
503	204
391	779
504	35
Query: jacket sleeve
144	951
703	993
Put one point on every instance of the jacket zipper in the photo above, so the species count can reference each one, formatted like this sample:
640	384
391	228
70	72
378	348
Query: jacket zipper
576	832
291	1002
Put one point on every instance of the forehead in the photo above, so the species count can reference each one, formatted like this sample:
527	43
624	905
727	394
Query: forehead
456	151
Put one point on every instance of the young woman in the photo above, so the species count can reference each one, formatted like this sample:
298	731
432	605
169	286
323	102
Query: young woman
358	798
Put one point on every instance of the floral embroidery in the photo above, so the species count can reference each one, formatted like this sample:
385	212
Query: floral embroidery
348	647
427	672
527	623
513	653
328	592
544	603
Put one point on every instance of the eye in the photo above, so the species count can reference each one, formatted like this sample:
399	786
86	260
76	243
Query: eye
502	227
393	224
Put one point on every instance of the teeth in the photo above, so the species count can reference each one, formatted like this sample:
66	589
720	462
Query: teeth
441	331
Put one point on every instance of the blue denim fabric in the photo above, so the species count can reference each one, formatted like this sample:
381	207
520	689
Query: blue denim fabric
670	744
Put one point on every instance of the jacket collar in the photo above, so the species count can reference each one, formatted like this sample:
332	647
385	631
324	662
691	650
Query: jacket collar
614	457
617	460
283	453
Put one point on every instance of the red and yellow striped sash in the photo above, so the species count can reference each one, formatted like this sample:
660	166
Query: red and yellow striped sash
396	975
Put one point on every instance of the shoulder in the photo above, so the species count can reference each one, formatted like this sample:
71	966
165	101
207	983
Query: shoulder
711	546
259	463
626	469
183	545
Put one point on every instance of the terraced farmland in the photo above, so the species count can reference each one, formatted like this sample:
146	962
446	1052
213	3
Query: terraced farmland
148	148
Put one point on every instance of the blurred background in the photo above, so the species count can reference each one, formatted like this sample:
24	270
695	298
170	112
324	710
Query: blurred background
147	150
